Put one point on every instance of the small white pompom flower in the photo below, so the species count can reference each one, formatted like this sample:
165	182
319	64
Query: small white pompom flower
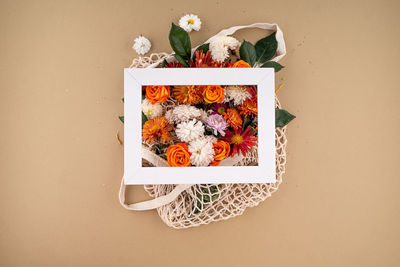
190	130
151	110
202	152
238	94
220	46
142	45
190	22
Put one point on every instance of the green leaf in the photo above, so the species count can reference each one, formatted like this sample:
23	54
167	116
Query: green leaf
144	119
123	100
180	41
266	48
246	122
181	60
248	53
164	63
203	47
273	64
282	117
121	118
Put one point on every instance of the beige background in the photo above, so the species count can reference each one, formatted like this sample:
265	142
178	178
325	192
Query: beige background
61	83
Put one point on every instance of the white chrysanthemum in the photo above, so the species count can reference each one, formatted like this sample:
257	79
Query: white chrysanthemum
236	93
202	152
204	115
151	110
190	130
142	45
183	113
168	116
220	45
190	22
210	139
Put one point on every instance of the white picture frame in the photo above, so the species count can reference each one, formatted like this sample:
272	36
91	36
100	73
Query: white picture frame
135	78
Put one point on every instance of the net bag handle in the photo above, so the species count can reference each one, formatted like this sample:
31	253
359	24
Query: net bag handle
280	51
168	198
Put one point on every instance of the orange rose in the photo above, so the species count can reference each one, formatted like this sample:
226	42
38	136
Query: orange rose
157	93
222	150
178	155
213	93
240	64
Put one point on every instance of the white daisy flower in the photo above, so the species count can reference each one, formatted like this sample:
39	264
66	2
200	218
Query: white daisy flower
151	110
237	94
190	22
182	113
220	46
142	45
190	130
202	152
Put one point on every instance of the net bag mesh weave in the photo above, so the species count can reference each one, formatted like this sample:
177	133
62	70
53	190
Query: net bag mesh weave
206	203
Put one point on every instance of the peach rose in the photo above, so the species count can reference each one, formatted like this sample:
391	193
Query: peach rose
213	93
178	155
157	93
240	64
222	150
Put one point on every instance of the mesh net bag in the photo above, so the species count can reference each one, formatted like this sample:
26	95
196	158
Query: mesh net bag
184	206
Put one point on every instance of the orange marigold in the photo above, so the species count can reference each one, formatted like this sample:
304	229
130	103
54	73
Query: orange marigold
248	108
233	118
240	64
213	93
222	150
155	129
157	93
178	155
188	94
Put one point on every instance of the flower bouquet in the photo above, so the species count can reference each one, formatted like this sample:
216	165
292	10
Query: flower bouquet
201	125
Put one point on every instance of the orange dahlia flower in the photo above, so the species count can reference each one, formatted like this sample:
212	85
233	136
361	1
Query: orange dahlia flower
240	64
188	94
222	150
157	93
155	129
233	118
248	108
178	155
213	93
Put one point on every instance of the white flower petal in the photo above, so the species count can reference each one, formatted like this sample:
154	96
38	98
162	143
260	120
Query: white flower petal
182	113
202	151
190	22
220	45
189	131
151	110
238	94
142	45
